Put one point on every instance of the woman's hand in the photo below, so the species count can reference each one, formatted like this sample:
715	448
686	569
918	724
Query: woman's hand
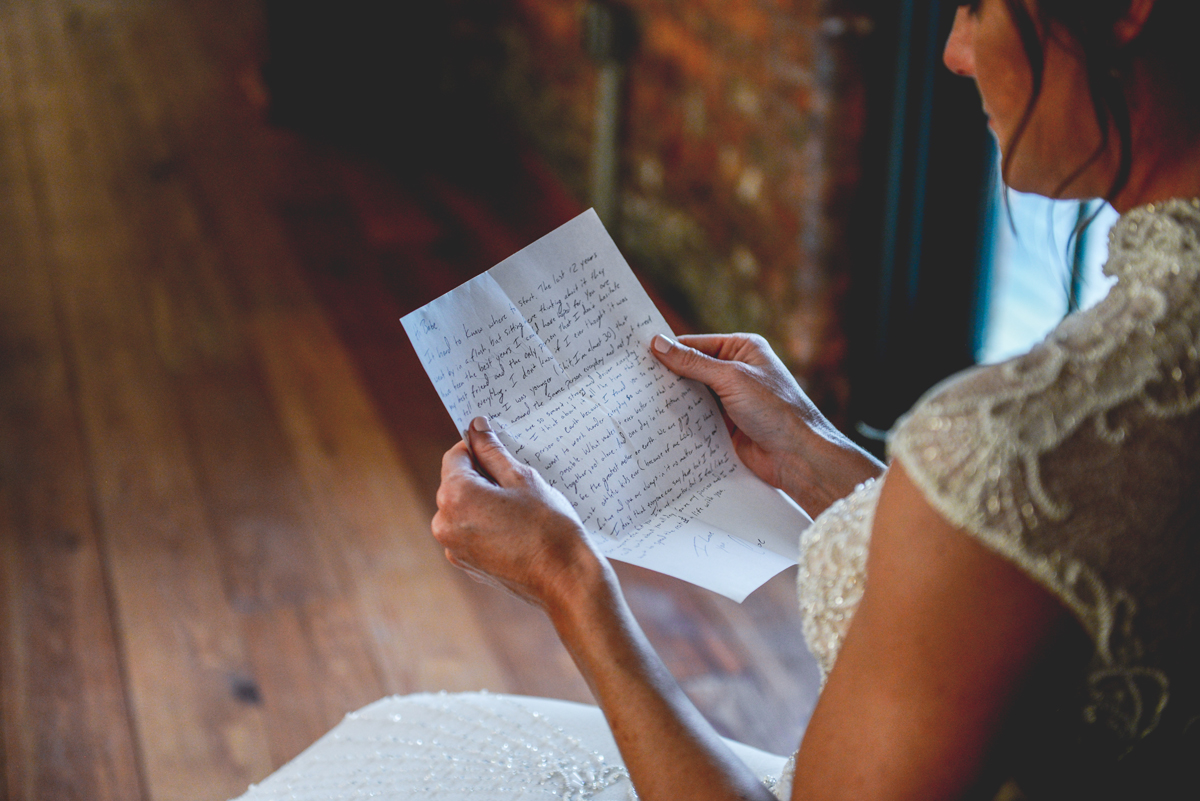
776	429
500	522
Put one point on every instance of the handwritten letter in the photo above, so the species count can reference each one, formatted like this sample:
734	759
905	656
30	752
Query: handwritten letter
553	344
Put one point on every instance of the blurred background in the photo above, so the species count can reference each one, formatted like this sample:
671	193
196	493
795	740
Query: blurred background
218	453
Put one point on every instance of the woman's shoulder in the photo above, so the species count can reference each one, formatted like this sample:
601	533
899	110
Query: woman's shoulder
1077	461
1133	357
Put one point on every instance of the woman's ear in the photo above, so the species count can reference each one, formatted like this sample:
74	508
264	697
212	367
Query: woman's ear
1130	26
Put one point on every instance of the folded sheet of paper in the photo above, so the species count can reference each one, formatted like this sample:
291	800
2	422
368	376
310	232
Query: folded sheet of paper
553	345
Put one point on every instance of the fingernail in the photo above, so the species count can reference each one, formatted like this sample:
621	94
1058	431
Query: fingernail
663	344
481	424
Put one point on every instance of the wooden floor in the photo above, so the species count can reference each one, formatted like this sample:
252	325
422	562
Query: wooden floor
217	450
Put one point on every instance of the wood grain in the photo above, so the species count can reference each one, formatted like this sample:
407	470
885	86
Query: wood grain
274	565
168	596
218	452
67	733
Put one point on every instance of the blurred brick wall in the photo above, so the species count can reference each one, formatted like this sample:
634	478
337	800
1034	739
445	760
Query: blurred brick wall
739	156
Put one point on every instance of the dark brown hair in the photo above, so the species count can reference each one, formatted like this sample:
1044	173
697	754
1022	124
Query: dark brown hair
1167	41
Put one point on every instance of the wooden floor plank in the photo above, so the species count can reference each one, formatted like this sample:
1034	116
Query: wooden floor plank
249	484
312	665
67	733
368	317
274	564
234	437
198	738
425	632
427	635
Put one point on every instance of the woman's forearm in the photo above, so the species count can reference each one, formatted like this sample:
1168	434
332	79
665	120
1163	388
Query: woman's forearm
826	465
670	750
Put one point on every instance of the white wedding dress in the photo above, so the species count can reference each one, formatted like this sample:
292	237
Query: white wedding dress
1079	462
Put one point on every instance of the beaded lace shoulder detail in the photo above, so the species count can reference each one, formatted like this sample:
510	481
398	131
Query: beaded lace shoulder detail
980	445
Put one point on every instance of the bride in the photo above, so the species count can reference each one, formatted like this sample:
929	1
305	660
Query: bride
1013	603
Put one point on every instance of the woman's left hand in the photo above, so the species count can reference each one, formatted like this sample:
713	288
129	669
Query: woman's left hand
499	521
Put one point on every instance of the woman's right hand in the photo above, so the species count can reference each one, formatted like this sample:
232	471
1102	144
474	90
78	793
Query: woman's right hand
777	431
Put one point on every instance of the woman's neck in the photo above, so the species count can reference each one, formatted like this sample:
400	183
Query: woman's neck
1165	147
1162	176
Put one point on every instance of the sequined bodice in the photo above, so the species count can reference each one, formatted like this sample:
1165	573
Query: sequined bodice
1078	462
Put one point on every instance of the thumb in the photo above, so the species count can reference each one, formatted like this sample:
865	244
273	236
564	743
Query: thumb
689	362
490	453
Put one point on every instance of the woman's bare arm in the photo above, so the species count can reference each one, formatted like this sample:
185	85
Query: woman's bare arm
946	634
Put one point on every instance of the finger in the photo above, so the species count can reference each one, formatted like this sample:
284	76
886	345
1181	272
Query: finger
491	454
709	344
689	362
457	460
749	348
